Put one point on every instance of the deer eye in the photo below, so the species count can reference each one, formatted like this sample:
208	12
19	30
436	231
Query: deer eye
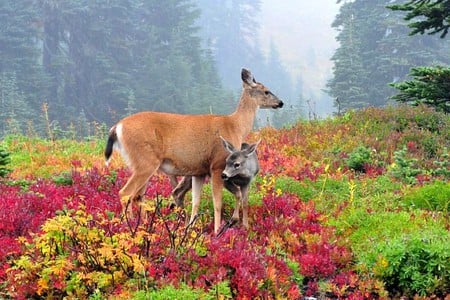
237	165
267	93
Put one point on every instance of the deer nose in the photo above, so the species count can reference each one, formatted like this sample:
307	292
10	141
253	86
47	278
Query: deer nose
278	105
224	176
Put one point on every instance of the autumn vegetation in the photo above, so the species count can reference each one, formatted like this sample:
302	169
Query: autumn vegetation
350	207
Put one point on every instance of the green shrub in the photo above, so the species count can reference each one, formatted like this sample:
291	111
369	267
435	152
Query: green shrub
303	189
358	158
442	165
404	168
221	291
434	196
407	251
64	178
5	160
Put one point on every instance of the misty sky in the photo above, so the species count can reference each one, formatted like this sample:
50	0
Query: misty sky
301	30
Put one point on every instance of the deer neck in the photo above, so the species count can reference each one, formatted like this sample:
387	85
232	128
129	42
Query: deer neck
244	115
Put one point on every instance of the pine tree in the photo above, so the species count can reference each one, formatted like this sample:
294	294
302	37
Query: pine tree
281	85
230	30
20	52
14	112
375	53
347	85
5	160
430	86
433	16
178	74
103	59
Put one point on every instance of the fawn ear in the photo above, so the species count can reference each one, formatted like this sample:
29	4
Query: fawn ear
251	148
230	148
247	78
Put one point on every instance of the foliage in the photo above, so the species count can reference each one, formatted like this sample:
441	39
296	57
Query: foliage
434	197
405	250
46	158
5	159
434	16
85	249
430	86
317	228
358	159
405	168
180	292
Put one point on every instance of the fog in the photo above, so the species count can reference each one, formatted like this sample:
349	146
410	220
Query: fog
302	33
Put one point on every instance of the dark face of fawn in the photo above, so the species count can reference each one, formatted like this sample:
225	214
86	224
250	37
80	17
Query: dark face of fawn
242	164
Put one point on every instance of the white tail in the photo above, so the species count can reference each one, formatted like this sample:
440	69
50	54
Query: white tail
185	145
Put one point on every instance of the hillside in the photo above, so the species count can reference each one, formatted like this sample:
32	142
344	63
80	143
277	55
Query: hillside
354	206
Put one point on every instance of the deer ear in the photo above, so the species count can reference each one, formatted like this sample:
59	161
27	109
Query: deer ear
247	77
244	146
230	148
251	148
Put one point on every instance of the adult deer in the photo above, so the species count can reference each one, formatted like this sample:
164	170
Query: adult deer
185	145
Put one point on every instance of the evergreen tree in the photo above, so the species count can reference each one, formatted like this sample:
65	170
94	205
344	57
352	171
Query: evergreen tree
178	73
433	16
347	85
20	62
105	59
230	29
14	113
281	85
430	86
374	52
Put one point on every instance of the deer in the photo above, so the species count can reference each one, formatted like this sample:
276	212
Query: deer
185	145
241	166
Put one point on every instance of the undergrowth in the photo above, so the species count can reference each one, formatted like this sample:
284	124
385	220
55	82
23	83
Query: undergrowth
351	206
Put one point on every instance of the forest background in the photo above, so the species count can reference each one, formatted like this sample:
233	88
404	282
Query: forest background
71	65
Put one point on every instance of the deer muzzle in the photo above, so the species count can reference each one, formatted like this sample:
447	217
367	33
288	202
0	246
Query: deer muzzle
279	105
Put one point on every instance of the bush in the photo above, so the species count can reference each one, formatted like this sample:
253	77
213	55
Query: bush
184	292
316	228
358	159
85	250
4	161
405	168
434	196
408	252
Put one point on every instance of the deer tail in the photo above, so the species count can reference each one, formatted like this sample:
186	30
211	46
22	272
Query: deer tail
112	138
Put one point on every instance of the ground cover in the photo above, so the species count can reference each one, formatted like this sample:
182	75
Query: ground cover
354	206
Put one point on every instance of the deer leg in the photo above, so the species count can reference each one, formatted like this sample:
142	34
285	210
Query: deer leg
238	195
245	190
138	200
197	184
217	190
173	180
135	187
181	189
